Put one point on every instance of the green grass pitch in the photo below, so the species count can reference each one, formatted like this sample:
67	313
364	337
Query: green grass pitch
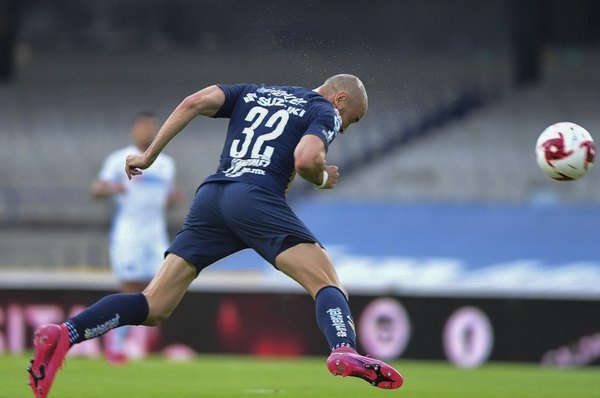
231	376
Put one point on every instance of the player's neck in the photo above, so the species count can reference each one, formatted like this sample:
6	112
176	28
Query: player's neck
324	93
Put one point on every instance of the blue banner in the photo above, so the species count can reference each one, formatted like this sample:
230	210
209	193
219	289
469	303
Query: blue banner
482	249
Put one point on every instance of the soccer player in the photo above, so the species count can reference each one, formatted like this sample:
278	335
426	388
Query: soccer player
273	134
138	237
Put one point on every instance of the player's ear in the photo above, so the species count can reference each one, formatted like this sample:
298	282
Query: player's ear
340	97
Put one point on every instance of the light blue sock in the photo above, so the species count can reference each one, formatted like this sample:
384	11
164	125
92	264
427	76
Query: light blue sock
120	336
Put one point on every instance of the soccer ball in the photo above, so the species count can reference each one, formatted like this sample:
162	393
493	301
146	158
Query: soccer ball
565	151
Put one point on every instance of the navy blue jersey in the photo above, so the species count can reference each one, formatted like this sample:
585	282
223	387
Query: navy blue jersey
266	124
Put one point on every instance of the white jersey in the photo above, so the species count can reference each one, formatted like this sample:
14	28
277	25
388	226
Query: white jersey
139	228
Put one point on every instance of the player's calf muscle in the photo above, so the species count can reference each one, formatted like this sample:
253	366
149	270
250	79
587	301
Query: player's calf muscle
155	319
160	307
167	288
310	266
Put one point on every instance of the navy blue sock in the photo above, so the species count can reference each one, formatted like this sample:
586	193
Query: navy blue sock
334	318
106	314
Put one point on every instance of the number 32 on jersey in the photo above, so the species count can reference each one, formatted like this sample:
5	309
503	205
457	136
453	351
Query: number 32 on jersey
256	116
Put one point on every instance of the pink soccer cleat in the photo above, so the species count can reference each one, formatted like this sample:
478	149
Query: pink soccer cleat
345	361
51	344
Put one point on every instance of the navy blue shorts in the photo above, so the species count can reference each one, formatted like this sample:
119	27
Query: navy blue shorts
227	217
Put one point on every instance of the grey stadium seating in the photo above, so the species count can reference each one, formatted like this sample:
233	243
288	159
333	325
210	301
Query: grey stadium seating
67	111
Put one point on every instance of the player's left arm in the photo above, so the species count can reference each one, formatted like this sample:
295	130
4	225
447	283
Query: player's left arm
205	102
310	153
310	163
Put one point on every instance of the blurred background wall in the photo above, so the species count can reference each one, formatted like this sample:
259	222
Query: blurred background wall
440	193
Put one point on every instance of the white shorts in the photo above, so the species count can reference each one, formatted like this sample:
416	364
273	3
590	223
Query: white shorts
135	259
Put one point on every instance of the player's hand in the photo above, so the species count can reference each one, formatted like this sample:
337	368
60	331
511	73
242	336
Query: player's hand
135	164
334	174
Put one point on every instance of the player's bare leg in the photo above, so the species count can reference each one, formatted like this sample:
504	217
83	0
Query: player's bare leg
167	288
132	286
310	266
154	305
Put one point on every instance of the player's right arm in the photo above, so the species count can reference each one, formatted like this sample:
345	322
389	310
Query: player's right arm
103	189
108	182
205	102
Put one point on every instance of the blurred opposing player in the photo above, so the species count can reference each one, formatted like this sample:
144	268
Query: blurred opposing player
273	133
138	237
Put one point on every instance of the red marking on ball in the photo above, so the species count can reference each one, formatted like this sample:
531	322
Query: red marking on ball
590	155
554	149
563	177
